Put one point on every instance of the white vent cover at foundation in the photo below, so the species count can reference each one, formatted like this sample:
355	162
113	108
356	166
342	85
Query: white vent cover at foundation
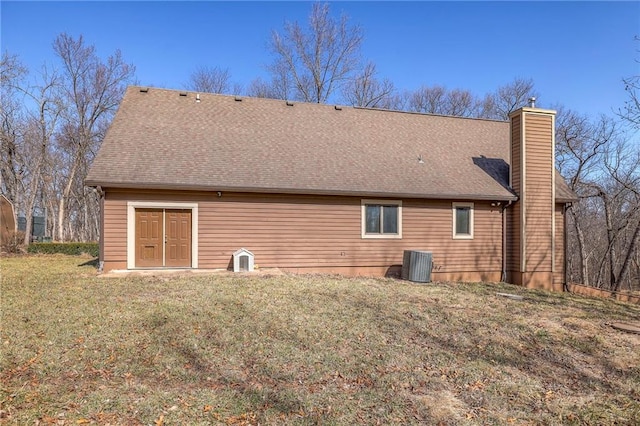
242	261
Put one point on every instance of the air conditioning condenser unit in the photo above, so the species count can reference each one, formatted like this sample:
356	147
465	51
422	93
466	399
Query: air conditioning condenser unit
417	265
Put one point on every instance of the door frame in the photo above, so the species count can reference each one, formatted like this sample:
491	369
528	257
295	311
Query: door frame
131	227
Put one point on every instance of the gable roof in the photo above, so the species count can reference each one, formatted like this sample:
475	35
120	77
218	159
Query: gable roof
182	140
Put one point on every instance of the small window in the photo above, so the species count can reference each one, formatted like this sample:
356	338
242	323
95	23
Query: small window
381	219
463	221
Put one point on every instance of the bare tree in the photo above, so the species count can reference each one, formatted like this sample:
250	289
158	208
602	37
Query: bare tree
631	110
210	79
508	98
259	88
91	91
50	130
12	127
366	90
439	100
603	168
578	152
622	208
461	103
578	158
38	138
27	136
312	63
428	100
398	101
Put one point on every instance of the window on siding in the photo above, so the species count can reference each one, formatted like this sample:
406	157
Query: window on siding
381	219
463	221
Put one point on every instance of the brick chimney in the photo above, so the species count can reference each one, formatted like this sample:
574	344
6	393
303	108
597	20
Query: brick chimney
531	220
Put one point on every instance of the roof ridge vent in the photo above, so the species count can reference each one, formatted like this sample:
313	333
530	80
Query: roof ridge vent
289	103
183	93
338	107
144	89
238	99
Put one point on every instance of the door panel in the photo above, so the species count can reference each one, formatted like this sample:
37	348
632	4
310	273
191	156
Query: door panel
178	238
149	226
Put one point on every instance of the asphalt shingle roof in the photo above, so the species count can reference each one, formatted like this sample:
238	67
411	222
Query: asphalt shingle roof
168	139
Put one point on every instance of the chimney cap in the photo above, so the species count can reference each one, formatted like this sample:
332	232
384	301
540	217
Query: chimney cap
532	102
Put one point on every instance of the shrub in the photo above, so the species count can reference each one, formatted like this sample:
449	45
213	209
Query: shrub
73	249
14	242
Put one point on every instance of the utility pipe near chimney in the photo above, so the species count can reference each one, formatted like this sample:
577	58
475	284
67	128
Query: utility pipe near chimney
504	242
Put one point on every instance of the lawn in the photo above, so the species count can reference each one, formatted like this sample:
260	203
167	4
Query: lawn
284	349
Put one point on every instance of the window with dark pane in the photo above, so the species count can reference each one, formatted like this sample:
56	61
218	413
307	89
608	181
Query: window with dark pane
463	220
381	219
373	219
390	219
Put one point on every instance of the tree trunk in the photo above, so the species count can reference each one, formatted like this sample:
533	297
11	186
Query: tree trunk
29	210
628	257
64	196
51	219
611	248
31	200
581	249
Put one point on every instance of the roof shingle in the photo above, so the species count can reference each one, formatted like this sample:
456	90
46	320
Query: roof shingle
161	139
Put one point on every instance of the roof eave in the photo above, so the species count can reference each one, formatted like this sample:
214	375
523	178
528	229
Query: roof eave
299	191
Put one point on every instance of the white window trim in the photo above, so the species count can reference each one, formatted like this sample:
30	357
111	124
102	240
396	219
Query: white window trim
455	234
363	219
131	227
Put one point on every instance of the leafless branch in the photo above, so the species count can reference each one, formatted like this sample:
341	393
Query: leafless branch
311	63
210	79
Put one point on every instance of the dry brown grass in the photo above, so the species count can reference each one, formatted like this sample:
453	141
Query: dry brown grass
288	349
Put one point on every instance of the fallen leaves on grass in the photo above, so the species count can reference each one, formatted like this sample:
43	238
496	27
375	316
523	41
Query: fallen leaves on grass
246	350
245	419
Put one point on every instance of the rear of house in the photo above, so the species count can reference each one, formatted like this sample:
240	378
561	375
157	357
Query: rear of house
187	179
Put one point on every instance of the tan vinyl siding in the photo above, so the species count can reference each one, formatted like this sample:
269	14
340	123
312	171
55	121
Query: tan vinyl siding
114	234
310	232
516	154
538	192
514	215
101	238
513	237
530	225
7	221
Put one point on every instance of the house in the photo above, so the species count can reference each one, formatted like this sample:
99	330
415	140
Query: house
7	220
187	179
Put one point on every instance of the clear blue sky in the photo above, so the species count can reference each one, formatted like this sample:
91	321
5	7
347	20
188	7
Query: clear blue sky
576	52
